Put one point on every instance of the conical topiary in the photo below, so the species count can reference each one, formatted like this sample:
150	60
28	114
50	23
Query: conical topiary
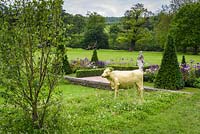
183	62
66	66
169	75
94	56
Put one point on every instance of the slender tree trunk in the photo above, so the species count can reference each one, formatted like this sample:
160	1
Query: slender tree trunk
132	45
35	117
195	52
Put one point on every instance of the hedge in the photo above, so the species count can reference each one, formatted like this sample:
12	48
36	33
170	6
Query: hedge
99	71
118	67
89	72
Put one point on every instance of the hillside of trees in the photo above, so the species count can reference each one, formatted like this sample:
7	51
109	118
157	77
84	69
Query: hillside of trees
138	29
113	20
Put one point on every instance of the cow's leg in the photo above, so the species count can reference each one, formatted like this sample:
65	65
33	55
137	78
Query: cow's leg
140	90
116	91
116	86
112	85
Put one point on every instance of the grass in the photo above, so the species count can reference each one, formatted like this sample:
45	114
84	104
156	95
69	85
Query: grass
105	55
92	110
89	110
182	118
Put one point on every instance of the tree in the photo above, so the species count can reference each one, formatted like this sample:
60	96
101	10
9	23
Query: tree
95	34
134	23
169	75
31	63
79	23
162	28
186	27
113	34
175	5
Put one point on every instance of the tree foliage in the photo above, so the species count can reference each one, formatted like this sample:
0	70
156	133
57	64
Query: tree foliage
95	34
169	75
186	27
31	63
134	24
114	30
175	5
74	26
162	28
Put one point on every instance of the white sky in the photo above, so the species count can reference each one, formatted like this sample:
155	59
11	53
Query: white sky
109	7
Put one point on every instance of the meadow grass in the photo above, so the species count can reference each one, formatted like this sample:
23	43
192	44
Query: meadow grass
90	110
106	55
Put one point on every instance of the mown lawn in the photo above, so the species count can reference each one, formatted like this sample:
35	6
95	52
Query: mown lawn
116	55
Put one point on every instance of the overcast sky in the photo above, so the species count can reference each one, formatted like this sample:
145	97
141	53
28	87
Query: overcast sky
109	7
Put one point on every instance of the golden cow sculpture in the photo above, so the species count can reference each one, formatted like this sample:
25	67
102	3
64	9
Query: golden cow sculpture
125	79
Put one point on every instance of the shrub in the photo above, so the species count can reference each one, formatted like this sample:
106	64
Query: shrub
197	83
185	71
169	75
94	56
100	64
197	70
14	121
190	79
183	62
150	73
89	72
120	67
190	73
80	64
66	66
31	63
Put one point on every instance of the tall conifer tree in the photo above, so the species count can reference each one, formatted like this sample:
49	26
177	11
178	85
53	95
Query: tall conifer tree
169	75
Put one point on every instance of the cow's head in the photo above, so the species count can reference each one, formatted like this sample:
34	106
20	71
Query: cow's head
106	73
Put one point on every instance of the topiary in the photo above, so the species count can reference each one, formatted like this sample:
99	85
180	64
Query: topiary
66	66
183	62
94	56
169	75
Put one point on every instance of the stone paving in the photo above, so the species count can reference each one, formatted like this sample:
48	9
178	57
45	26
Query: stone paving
96	78
96	82
103	83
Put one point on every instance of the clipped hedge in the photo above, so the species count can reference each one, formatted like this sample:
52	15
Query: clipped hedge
119	67
89	72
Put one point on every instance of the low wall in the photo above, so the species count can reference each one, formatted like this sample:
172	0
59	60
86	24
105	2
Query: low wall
88	83
100	84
